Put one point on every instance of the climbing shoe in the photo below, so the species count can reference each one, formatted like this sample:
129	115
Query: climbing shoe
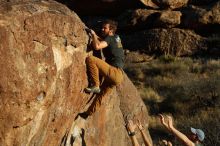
93	89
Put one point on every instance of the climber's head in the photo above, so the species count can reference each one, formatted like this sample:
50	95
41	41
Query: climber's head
109	28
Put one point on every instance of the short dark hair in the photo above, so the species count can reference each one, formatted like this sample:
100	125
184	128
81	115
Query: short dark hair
112	24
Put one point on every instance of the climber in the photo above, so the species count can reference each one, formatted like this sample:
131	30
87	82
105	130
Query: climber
112	49
111	69
196	137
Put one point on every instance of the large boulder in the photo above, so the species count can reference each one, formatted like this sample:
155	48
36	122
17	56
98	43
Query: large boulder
204	19
42	44
172	41
144	18
137	19
149	3
43	74
169	19
107	125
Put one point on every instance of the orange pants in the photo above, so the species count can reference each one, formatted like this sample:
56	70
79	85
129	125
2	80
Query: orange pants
112	76
97	66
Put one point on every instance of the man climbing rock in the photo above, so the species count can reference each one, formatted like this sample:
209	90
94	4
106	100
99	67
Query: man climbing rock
111	68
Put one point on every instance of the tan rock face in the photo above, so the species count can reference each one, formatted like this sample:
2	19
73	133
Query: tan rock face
106	127
43	74
169	19
42	44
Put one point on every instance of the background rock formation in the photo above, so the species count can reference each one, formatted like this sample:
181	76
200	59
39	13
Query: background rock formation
42	56
176	42
136	24
198	18
143	18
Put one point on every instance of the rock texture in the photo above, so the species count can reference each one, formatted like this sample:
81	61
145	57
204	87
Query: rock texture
43	74
202	18
42	44
107	126
173	41
144	18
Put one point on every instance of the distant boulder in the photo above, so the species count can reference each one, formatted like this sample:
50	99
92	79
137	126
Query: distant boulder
171	4
137	19
41	43
177	42
149	3
144	18
204	19
169	19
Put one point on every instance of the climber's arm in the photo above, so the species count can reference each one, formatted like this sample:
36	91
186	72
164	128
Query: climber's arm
97	43
147	141
134	141
131	130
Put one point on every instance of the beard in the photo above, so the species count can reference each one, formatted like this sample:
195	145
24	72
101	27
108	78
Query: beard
103	34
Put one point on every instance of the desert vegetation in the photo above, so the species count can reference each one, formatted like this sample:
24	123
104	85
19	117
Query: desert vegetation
188	88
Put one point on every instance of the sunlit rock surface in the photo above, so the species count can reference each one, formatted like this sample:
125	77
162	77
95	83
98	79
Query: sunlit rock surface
43	74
